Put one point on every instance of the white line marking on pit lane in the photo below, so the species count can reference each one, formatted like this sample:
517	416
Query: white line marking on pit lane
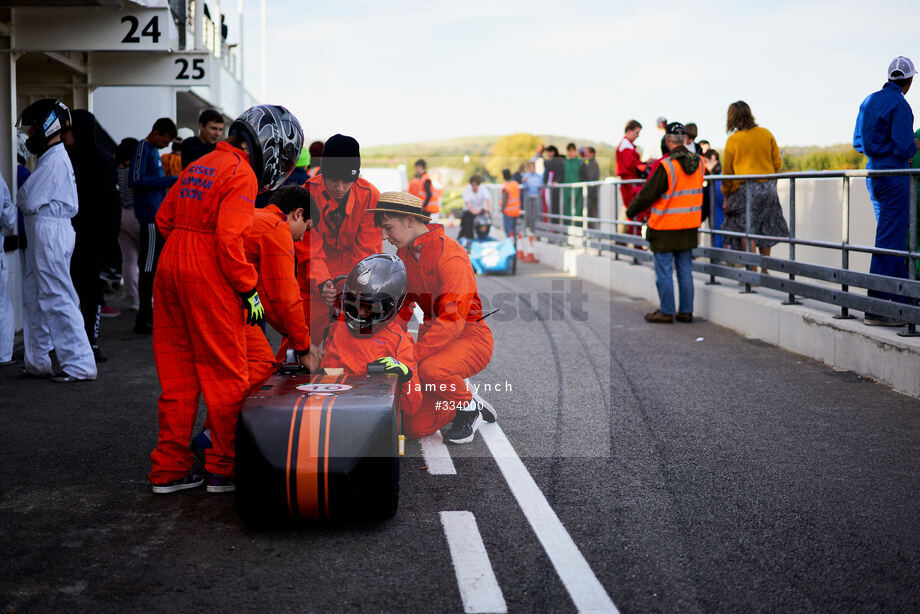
436	455
583	586
478	587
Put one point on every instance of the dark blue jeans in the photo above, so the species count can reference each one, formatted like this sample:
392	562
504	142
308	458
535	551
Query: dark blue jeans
665	263
890	199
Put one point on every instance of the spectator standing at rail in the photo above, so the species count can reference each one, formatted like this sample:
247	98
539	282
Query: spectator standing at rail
553	172
661	123
630	166
591	172
150	186
511	203
537	159
532	183
752	150
690	141
704	146
674	195
712	195
210	129
884	132
572	201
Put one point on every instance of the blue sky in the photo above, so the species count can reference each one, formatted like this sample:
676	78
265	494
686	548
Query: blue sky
402	71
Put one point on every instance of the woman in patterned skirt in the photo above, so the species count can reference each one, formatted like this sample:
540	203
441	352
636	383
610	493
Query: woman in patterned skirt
752	150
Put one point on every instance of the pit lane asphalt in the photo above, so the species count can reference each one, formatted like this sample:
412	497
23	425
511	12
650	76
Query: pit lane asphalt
694	476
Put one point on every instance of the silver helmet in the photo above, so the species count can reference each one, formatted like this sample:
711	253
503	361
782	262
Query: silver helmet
275	139
374	293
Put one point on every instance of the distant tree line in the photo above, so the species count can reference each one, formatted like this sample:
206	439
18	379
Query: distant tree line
835	157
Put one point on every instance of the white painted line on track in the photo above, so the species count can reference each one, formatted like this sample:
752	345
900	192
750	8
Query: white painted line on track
583	586
478	587
436	455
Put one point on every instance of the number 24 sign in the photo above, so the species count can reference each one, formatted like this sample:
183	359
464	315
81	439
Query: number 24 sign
91	29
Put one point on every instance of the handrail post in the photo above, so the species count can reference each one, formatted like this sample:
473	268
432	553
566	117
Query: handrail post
912	261
748	196
845	240
584	217
791	300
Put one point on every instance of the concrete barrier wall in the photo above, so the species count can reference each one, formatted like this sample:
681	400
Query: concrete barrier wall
809	329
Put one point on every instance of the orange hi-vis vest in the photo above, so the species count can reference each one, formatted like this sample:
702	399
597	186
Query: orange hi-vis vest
513	206
681	207
417	188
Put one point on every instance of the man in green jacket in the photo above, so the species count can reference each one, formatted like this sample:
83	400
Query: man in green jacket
674	193
573	173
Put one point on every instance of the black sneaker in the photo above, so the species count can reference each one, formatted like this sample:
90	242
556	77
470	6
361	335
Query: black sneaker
192	480
63	377
220	483
463	427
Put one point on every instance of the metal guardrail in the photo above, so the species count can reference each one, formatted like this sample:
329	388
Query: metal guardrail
586	232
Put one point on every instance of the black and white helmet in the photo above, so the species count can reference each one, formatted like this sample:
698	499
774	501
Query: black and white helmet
50	117
374	293
275	139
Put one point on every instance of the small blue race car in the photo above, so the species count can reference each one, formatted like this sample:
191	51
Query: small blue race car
489	255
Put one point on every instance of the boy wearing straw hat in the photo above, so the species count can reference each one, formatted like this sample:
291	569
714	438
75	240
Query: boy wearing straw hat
454	342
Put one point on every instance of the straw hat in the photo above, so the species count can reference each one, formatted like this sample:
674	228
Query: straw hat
402	203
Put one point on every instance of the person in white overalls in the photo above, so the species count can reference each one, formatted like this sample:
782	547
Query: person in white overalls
48	200
7	222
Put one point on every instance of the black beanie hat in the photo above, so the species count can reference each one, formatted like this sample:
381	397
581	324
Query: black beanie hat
341	158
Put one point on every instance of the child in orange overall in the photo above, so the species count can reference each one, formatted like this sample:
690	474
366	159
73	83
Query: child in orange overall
366	330
205	293
269	246
343	236
453	342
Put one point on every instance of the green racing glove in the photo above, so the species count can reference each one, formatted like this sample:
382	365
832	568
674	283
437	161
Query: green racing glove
392	366
255	313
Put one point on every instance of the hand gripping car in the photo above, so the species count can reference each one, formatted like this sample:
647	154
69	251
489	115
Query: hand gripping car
323	446
488	255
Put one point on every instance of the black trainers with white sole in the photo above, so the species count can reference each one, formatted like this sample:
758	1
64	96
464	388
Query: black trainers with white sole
192	480
463	427
63	377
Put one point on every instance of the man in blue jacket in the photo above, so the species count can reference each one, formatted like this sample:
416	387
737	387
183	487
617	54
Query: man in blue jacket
885	133
150	184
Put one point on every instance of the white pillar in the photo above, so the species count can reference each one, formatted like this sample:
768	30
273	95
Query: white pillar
199	24
263	93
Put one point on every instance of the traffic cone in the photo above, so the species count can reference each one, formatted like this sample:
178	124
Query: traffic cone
520	250
528	249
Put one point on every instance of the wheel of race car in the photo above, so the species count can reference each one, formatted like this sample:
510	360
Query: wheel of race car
514	265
